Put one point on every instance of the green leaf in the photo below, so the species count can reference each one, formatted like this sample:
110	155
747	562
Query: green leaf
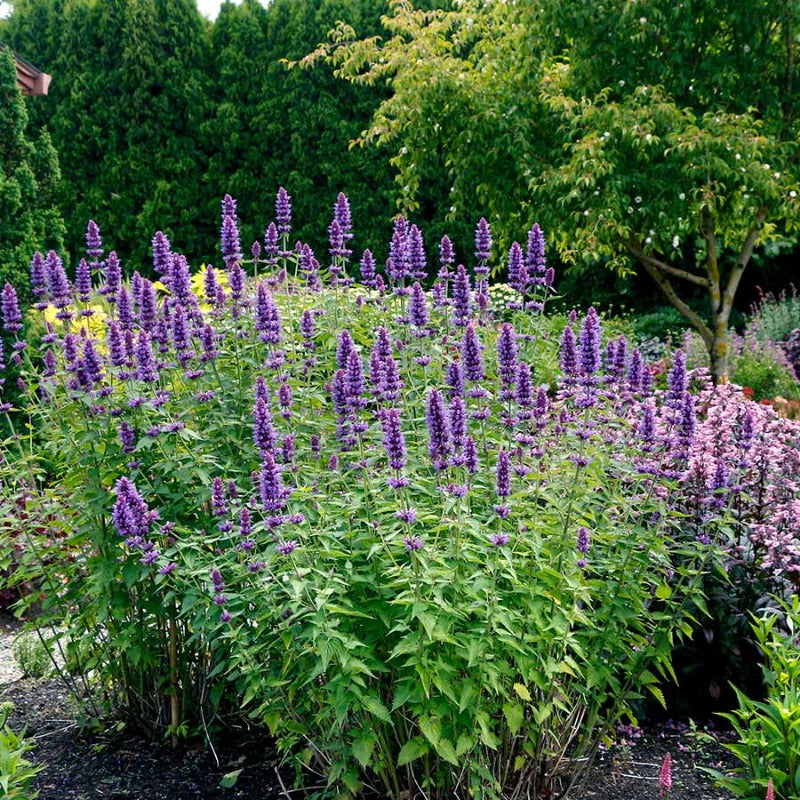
376	707
522	692
229	779
514	715
411	750
362	749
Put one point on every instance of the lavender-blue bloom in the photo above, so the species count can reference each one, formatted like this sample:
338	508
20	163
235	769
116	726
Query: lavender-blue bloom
515	265
94	244
343	348
90	369
677	380
458	420
113	277
471	355
130	515
470	455
446	254
307	326
415	252
418	308
127	437
507	358
483	240
367	267
635	371
83	281
436	418
523	392
273	494
396	264
503	475
146	368
38	276
124	308
272	243
283	211
569	354
355	380
455	379
161	256
245	523
57	281
590	342
393	440
268	321
263	429
412	543
116	347
462	297
208	338
535	258
9	304
219	503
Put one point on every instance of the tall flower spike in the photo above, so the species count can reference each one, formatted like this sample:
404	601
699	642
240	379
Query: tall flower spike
523	392
515	264
462	297
569	354
418	307
219	504
113	277
38	276
483	241
146	369
271	243
507	358
343	348
367	266
503	476
263	431
446	254
458	420
416	253
393	440
436	418
9	304
83	281
535	258
590	341
283	211
94	244
273	494
341	213
229	241
471	355
161	254
455	379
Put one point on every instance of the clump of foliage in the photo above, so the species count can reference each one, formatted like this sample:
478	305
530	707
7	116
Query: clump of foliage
352	509
16	771
775	318
768	731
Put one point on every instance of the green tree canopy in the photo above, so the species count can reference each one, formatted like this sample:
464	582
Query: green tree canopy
661	132
29	219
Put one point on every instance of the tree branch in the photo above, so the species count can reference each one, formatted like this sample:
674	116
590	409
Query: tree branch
694	318
683	274
740	266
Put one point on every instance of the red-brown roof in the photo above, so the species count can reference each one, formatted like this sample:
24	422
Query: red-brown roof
31	79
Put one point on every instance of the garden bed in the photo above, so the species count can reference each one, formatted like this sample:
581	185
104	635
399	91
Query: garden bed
116	765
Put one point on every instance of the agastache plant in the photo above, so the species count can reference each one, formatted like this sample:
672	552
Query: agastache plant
417	563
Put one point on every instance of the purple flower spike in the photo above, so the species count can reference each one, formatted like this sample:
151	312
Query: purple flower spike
499	539
355	380
535	258
446	254
503	483
12	318
367	268
263	430
219	503
458	420
127	437
273	495
94	244
130	515
229	241
283	211
418	309
113	277
83	281
635	371
146	368
393	440
341	213
590	341
507	358
412	543
677	380
407	515
38	276
569	354
483	241
161	256
462	297
582	545
470	455
523	392
343	348
515	265
415	251
268	320
286	547
471	355
455	379
271	243
436	417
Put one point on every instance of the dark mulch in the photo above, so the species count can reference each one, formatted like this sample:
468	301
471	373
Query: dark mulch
120	766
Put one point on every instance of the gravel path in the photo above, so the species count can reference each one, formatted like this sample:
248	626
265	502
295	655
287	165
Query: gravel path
9	671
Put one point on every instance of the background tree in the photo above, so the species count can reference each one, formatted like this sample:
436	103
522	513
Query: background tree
29	219
666	135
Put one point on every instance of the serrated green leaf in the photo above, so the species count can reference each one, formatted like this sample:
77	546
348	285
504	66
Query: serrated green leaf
522	692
